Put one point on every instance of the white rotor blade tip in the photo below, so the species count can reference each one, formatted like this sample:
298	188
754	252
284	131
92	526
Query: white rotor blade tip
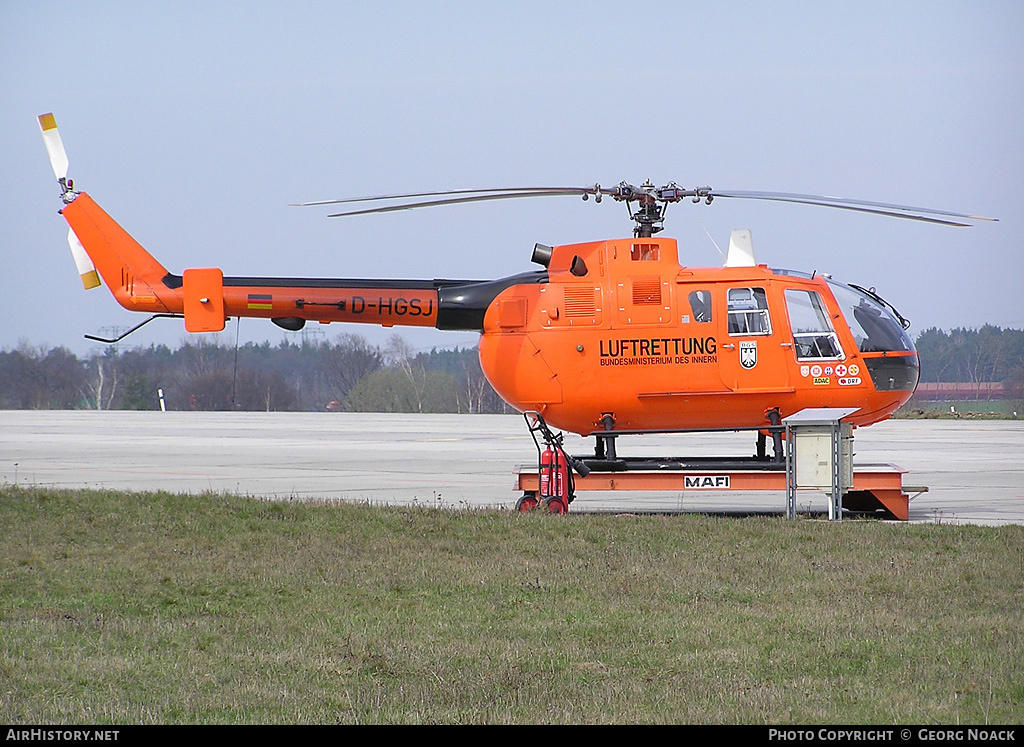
54	146
86	269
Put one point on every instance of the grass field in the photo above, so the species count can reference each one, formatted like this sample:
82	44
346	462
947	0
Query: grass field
160	608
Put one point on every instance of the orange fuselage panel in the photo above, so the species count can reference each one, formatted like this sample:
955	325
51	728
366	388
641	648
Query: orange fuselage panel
627	339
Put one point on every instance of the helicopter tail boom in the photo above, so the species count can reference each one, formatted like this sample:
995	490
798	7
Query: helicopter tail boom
207	298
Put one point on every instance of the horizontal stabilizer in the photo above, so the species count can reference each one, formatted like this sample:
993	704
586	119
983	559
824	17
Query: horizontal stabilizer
204	299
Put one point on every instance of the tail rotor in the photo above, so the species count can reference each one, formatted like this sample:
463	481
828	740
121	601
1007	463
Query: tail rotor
59	163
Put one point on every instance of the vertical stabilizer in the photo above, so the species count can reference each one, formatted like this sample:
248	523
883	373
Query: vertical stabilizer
131	273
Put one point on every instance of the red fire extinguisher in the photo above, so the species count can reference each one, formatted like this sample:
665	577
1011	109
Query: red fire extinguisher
554	473
556	487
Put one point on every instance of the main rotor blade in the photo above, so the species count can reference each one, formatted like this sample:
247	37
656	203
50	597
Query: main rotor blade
506	192
504	195
864	206
625	192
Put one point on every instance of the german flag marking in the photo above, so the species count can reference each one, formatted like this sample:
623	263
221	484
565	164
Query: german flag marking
261	301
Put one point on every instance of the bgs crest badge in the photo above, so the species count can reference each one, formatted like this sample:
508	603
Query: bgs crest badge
748	354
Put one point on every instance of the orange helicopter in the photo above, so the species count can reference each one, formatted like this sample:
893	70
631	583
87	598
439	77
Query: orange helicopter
608	338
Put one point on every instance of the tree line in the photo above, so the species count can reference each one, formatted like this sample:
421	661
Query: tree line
347	373
350	374
972	355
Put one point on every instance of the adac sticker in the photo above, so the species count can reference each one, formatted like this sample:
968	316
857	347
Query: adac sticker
822	380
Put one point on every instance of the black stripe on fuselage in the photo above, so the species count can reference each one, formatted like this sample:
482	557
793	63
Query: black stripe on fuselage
461	304
175	281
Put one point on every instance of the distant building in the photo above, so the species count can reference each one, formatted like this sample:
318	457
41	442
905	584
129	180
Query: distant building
943	391
967	396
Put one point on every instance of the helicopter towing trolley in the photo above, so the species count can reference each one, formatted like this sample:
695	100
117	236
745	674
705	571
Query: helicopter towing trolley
818	457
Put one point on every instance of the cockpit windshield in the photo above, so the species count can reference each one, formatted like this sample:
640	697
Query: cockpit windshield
874	327
878	330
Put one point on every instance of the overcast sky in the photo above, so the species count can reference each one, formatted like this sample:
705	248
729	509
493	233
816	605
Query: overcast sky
196	124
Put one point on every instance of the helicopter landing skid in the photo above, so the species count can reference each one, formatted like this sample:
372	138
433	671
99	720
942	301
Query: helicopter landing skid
659	464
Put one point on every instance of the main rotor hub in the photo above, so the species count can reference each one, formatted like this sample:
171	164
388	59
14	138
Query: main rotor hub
652	201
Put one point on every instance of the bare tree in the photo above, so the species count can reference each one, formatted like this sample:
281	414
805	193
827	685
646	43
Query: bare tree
101	386
345	363
399	354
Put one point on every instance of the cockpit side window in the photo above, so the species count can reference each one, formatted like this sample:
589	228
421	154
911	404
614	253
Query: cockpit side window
700	305
813	336
748	312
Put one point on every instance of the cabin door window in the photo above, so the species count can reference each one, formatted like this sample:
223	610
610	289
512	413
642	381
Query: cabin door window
813	336
748	312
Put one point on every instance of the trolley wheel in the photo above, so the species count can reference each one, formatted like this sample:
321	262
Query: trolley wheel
556	505
527	502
